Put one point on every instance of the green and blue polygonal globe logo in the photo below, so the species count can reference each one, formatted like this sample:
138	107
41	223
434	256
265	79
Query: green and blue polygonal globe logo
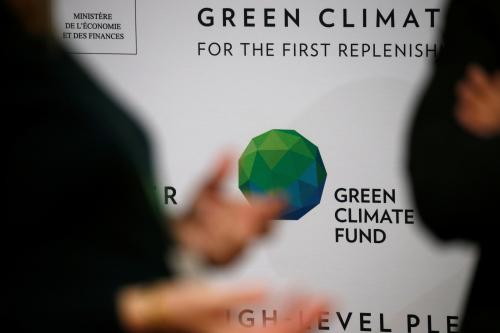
283	162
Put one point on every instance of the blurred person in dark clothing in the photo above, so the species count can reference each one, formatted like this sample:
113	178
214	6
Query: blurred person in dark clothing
88	235
454	158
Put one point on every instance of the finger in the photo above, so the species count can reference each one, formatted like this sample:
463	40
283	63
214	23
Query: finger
267	208
472	123
257	218
467	95
311	315
478	81
234	297
307	311
267	212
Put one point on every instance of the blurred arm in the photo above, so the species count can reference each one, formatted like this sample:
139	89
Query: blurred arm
455	175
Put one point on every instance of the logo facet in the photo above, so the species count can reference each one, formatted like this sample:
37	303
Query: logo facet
283	162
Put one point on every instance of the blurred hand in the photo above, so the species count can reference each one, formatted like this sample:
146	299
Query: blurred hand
478	102
220	228
192	307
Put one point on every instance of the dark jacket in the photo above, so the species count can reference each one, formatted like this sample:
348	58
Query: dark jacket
83	217
456	175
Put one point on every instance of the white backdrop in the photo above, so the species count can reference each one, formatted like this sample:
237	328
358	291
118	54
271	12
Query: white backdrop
355	109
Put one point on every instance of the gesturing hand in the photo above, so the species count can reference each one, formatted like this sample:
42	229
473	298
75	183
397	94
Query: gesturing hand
220	228
478	102
193	307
